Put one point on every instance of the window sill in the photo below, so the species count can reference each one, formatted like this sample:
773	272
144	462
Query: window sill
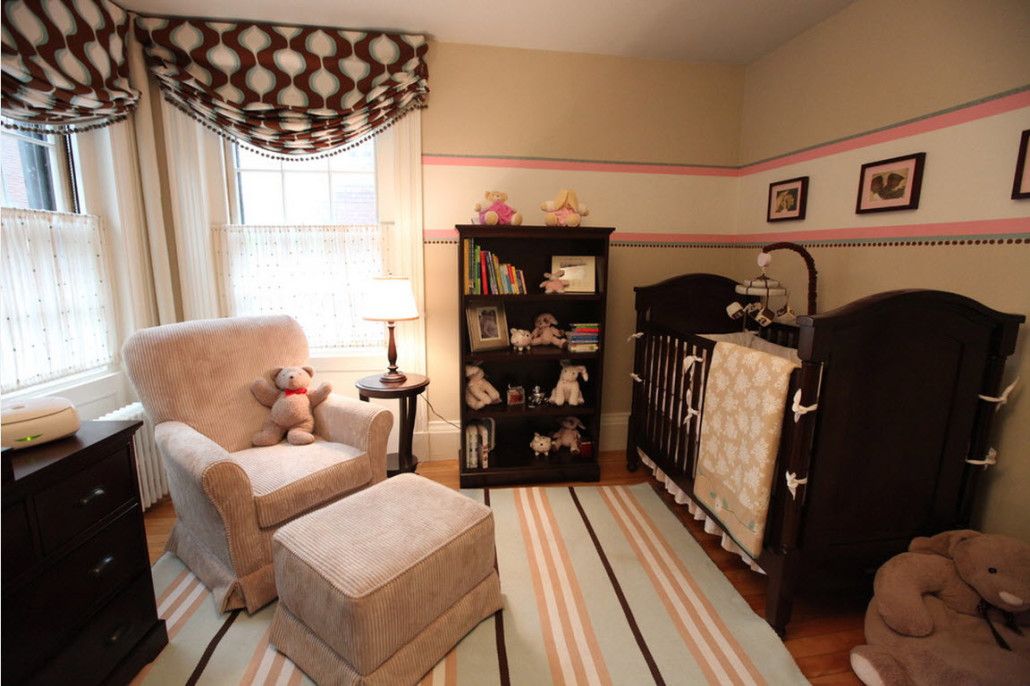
65	383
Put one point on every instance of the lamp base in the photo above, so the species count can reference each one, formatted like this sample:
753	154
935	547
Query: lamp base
393	376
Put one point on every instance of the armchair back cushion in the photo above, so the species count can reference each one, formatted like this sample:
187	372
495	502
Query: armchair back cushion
199	372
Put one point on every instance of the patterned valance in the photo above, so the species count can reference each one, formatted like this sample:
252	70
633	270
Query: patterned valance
64	67
288	91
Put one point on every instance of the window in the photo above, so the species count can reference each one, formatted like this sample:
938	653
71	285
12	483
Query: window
36	172
307	242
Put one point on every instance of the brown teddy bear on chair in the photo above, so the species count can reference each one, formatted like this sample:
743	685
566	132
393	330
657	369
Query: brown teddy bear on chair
292	404
955	609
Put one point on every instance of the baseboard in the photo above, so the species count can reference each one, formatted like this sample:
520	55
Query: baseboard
441	441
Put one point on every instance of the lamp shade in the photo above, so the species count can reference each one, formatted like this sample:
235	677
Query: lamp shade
390	299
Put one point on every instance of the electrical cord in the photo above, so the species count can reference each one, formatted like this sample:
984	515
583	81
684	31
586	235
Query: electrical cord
433	410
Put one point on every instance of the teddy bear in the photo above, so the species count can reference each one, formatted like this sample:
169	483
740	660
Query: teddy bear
292	404
954	609
564	210
478	391
567	390
521	339
541	445
497	210
568	435
545	331
553	283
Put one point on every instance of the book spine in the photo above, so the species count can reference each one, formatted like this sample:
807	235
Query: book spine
466	264
505	279
485	288
497	274
512	280
477	282
522	281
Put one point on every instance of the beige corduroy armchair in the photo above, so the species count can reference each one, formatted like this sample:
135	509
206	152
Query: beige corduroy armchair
194	380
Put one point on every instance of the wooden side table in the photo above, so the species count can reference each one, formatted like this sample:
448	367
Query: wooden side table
407	392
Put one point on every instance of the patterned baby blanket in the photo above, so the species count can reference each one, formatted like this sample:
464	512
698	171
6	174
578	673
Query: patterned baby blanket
744	400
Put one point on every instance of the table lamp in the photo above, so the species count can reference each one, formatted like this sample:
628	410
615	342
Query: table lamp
390	299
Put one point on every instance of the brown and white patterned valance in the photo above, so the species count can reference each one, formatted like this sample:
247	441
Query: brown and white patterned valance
288	91
64	67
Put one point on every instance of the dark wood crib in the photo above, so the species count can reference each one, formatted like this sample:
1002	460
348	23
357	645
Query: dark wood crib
899	380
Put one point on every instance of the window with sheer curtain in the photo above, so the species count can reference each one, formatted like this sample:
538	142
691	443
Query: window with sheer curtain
307	242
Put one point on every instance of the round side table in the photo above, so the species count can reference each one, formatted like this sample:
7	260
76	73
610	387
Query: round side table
407	392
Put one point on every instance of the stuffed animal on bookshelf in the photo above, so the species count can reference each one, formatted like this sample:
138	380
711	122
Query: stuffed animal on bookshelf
546	332
564	210
553	283
567	389
954	609
478	391
496	210
521	339
568	435
291	403
541	445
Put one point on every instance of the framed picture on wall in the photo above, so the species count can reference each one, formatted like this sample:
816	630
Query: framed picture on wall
787	200
1021	184
488	327
889	185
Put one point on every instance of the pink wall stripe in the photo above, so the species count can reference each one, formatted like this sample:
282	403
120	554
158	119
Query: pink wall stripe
931	123
982	227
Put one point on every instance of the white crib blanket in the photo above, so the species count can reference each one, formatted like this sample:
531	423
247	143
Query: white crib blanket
744	401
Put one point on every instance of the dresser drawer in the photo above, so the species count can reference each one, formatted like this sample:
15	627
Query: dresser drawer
19	553
38	616
83	499
91	655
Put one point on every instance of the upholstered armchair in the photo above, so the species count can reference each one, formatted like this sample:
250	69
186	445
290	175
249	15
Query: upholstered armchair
194	381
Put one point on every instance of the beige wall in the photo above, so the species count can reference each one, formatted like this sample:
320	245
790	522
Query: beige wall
878	62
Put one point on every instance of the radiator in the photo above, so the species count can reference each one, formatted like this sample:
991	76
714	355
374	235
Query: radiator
153	484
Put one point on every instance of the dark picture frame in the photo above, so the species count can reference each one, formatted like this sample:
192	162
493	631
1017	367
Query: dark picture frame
1021	182
788	200
891	184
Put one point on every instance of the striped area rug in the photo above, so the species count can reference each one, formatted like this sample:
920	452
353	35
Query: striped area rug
602	585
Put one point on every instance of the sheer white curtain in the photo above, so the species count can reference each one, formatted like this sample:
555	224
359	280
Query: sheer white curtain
313	273
56	294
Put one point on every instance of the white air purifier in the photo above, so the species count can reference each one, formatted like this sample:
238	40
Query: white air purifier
26	423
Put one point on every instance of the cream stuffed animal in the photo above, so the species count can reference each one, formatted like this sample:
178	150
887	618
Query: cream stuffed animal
568	435
567	390
521	339
564	210
546	332
291	404
478	391
541	445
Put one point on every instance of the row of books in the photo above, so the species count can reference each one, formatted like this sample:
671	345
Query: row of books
584	337
485	274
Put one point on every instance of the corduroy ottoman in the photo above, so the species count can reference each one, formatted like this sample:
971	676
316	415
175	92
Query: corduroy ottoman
378	587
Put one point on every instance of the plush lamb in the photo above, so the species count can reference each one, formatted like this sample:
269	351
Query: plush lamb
478	391
955	609
292	404
545	331
567	390
568	435
521	339
541	445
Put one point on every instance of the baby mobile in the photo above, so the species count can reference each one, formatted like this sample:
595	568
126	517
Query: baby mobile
764	288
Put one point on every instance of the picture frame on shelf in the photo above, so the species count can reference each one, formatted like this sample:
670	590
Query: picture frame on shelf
488	327
580	271
1021	182
892	184
787	200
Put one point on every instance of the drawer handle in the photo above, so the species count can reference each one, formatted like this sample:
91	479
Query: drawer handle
92	495
102	566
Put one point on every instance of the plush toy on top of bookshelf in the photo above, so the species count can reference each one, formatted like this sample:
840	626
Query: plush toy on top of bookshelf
496	211
564	210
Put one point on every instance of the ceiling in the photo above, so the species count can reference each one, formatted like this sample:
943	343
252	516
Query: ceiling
724	31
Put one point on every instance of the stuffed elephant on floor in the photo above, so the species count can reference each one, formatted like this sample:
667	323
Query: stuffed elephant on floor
954	609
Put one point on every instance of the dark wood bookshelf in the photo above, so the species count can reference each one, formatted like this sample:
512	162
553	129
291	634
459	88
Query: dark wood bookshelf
530	248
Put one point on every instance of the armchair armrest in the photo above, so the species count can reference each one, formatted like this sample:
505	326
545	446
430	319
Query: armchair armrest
362	425
213	496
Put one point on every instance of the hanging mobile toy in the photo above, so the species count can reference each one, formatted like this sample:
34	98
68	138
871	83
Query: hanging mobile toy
765	287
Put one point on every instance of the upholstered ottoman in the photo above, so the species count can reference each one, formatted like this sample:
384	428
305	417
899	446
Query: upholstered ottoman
378	587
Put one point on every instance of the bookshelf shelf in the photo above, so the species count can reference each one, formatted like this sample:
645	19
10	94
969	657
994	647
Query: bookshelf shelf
530	249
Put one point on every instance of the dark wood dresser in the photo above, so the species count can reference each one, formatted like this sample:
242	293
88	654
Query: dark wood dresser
78	598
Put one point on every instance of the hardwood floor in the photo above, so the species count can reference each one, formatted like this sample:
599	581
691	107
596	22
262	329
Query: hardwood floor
820	636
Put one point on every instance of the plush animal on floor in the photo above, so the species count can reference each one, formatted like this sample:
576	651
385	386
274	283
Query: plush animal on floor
567	390
540	445
955	609
546	331
553	283
292	404
496	210
568	435
564	210
478	391
521	339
